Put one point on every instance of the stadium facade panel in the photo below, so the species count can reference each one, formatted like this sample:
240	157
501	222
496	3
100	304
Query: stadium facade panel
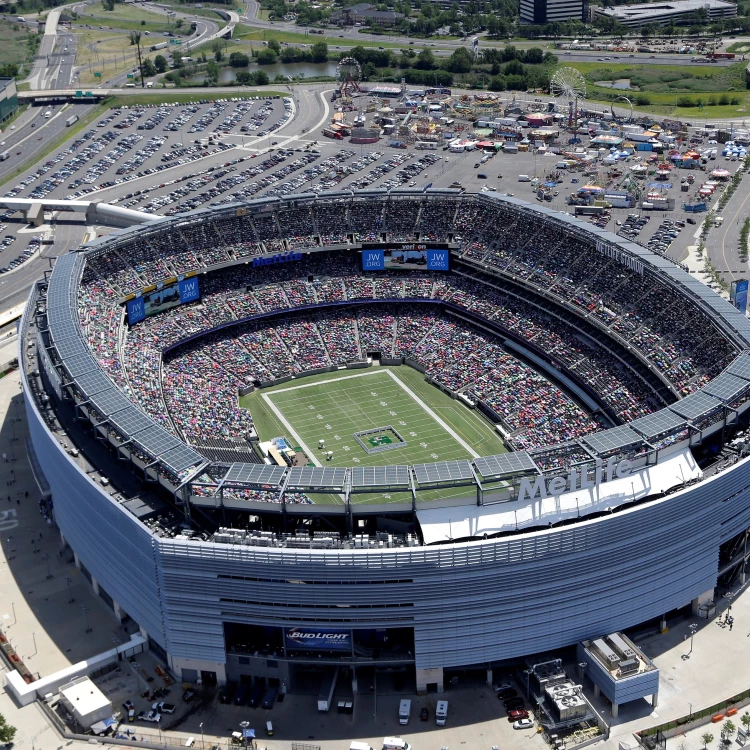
467	603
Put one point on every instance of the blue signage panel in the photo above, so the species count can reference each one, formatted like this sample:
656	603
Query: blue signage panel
136	310
189	290
318	639
438	260
740	295
373	260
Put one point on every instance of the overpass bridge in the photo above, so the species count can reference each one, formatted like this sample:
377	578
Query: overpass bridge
95	212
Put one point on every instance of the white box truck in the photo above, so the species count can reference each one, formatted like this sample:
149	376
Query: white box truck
441	713
404	712
395	743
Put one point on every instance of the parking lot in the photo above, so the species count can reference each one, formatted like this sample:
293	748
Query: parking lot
476	717
170	158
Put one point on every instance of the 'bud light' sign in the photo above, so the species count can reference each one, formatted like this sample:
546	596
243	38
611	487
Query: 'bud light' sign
318	639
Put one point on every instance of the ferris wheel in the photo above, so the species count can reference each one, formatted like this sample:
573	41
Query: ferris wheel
348	74
569	84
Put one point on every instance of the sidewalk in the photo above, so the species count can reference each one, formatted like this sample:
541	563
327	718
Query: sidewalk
38	580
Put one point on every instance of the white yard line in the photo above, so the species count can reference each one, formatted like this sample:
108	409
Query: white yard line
310	455
329	380
445	426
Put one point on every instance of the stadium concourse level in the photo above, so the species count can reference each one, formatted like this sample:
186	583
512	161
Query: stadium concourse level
622	330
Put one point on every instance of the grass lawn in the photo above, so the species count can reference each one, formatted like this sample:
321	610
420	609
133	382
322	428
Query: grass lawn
664	85
171	96
106	52
242	31
16	44
334	406
129	17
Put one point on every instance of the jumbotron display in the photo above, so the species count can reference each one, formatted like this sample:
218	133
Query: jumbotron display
494	398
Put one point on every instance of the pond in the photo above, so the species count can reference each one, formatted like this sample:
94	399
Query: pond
295	70
621	83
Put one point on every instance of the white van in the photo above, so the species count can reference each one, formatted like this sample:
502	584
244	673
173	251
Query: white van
21	19
524	178
441	713
562	165
48	114
359	746
129	85
404	712
395	743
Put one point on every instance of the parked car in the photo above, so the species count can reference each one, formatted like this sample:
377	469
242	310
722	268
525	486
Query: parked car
518	714
163	708
502	686
523	724
188	695
152	716
507	693
424	714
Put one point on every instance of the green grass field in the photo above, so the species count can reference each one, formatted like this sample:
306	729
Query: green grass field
333	406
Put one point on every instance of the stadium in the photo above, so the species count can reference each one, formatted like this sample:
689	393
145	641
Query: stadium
425	431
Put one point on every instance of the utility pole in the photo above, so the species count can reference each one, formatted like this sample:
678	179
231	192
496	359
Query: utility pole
135	38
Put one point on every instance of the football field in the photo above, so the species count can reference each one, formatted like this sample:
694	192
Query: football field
373	417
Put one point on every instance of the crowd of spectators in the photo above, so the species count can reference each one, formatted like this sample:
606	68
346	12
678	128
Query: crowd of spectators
196	393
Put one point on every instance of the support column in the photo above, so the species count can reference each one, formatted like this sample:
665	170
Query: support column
119	614
145	635
655	699
663	627
427	677
489	676
95	585
76	560
597	691
615	710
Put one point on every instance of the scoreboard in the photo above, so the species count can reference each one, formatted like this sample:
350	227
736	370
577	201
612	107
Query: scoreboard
406	256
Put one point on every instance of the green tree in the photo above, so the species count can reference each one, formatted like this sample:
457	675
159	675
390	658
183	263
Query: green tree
460	61
108	4
7	732
319	52
261	78
217	47
160	63
212	70
707	739
426	60
728	729
745	719
534	56
266	57
149	69
242	77
274	45
239	60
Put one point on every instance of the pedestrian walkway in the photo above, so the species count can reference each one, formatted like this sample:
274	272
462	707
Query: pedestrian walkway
46	604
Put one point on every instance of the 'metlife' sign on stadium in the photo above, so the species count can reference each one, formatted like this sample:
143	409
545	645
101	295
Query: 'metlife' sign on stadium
317	639
406	257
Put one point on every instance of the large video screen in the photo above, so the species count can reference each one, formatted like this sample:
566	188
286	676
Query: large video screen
145	305
318	639
417	257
